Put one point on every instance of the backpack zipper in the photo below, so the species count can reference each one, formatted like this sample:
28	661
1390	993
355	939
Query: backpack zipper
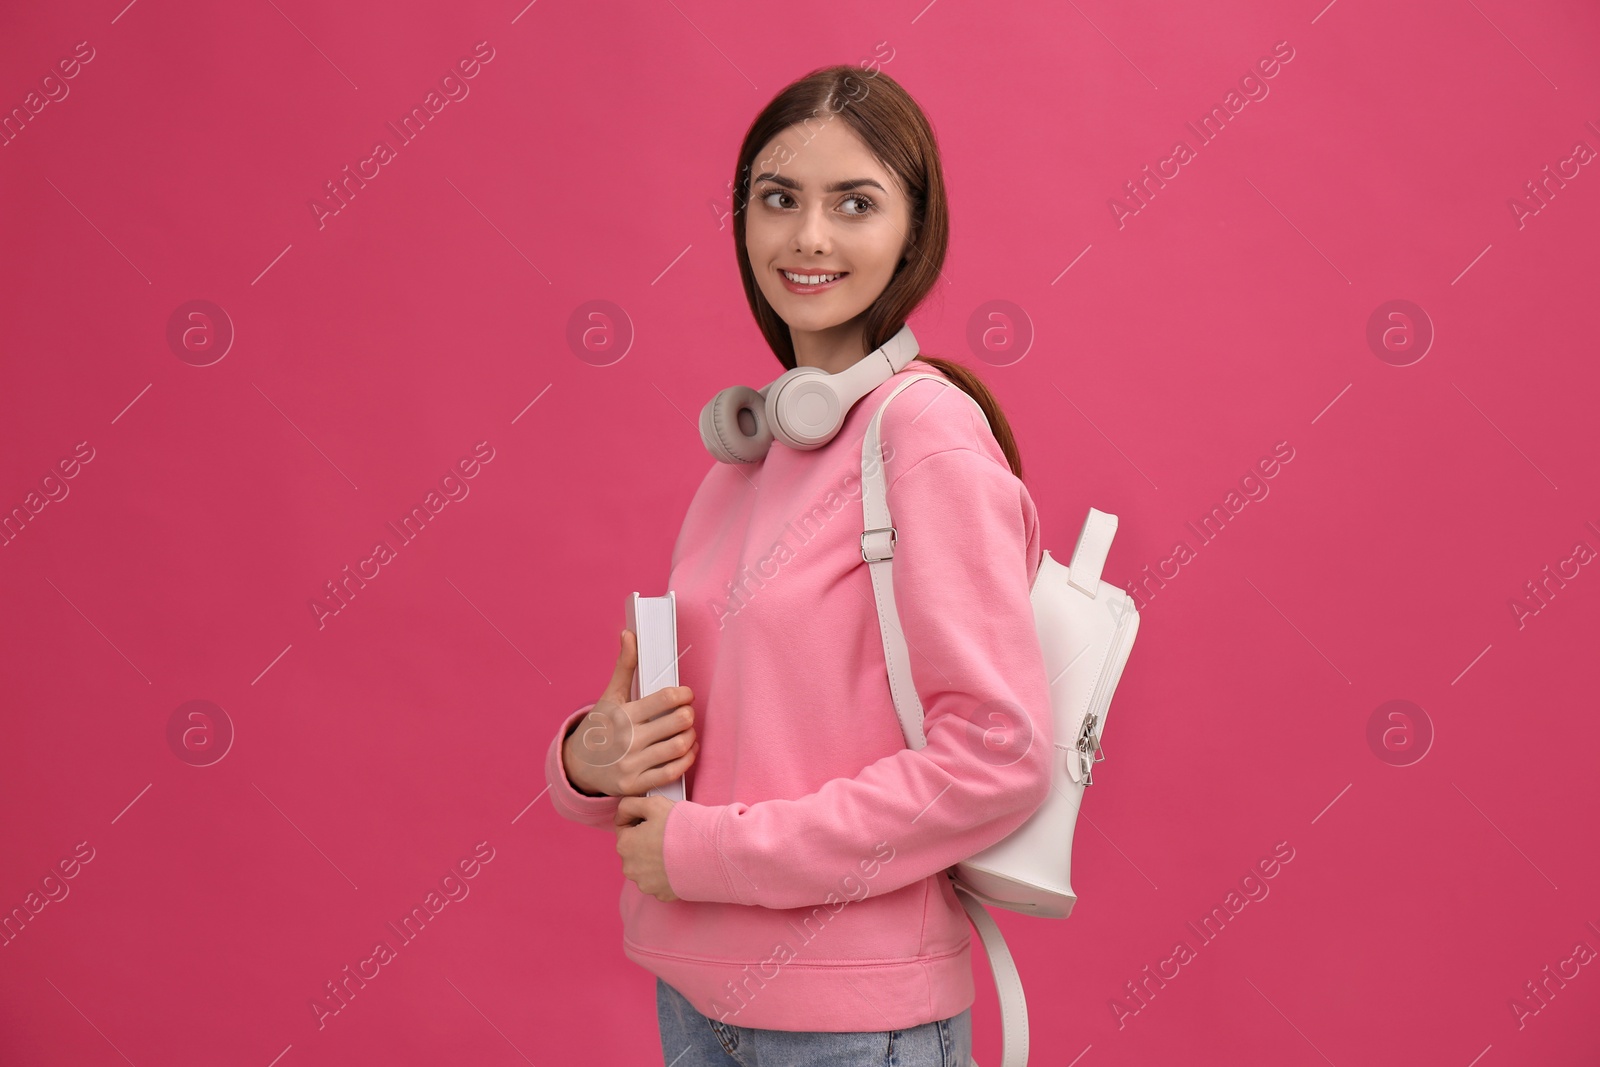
1087	743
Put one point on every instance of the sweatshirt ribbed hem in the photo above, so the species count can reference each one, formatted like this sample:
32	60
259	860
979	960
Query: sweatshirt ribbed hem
835	998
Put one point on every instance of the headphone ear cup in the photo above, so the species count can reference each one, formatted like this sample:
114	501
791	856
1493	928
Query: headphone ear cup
720	428
803	408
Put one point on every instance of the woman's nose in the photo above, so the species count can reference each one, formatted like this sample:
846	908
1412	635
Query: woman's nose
811	232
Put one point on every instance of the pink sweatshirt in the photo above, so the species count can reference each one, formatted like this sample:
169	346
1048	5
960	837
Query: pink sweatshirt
808	858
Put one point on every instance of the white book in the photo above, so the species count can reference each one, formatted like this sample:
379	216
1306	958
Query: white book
654	622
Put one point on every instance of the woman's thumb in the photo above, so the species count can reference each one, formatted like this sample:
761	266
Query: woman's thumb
622	676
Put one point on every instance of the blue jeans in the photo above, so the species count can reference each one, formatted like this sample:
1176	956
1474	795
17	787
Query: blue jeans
689	1039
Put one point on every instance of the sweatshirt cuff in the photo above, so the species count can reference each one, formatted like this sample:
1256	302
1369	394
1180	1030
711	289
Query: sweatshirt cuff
564	797
694	865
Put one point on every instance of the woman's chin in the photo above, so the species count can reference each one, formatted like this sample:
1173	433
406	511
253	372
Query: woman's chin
813	318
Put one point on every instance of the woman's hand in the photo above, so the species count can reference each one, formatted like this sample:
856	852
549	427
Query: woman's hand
641	835
622	748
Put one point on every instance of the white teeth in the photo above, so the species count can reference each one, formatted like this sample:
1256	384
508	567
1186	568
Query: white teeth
810	279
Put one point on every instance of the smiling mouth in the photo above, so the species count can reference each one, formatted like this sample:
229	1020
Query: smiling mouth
811	280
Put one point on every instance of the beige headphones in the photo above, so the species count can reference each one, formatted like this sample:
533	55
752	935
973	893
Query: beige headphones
804	407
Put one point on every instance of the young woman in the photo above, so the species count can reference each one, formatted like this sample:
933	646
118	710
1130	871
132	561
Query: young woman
793	910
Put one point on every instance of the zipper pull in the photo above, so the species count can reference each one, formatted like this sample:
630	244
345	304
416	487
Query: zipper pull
1088	747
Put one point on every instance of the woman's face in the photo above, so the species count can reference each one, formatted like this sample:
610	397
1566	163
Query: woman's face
823	206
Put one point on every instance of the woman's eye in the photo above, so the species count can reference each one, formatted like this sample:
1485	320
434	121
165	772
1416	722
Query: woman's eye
866	204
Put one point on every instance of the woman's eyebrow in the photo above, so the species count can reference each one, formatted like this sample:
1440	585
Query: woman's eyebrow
836	187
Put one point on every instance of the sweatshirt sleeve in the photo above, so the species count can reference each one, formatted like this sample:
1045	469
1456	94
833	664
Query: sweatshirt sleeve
961	582
564	797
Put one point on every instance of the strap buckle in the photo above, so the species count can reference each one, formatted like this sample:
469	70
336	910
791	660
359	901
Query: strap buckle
878	529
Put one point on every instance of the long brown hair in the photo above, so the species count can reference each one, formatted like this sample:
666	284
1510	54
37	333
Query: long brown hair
898	133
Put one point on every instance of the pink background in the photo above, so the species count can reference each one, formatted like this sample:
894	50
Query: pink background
1164	357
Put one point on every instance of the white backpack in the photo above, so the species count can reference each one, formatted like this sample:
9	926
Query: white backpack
1086	629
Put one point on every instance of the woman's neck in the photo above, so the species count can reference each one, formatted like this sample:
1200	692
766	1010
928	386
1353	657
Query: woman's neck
833	350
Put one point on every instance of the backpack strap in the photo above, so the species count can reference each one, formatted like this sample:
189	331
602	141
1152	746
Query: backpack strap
877	550
1007	982
1089	554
